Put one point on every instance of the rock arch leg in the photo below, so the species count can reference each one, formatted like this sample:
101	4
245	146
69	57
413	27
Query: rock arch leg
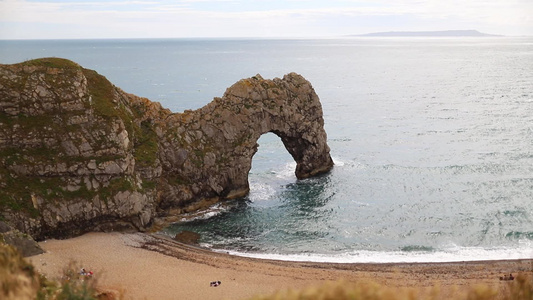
311	159
220	138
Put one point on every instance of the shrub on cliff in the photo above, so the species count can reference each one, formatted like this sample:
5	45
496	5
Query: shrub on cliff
74	286
19	280
519	289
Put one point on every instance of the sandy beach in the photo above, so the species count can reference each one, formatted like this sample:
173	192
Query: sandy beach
143	266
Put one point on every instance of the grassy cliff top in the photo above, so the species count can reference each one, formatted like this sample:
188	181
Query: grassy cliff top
50	62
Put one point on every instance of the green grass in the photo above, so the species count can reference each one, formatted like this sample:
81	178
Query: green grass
16	194
101	91
51	62
66	66
176	179
149	184
146	145
118	184
144	138
39	122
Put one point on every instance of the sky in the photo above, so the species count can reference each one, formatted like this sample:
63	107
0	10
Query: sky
87	19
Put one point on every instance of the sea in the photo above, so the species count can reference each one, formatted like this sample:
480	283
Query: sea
432	140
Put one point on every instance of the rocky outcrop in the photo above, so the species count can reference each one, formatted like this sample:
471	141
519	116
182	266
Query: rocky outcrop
24	243
79	154
208	152
187	237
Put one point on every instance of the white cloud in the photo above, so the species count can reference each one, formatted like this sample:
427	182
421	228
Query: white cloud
187	18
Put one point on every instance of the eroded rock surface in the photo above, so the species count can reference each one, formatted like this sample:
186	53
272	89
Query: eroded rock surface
79	154
24	243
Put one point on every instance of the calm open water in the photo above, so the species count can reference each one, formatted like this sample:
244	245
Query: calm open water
432	141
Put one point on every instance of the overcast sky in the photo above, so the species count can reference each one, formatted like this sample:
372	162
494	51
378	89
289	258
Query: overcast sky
40	19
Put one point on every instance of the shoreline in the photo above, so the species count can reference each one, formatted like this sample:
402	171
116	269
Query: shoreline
151	266
207	251
416	258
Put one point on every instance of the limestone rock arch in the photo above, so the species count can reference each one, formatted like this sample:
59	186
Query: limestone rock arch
79	154
209	151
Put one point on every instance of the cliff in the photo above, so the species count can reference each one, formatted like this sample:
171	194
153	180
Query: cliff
79	154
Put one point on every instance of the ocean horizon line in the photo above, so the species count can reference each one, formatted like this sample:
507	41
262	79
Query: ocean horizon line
361	36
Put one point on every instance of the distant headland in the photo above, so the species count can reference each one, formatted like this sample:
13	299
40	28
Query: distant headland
445	33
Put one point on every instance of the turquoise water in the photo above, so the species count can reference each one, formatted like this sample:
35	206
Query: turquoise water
432	141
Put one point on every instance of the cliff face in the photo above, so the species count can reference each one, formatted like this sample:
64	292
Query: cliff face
79	154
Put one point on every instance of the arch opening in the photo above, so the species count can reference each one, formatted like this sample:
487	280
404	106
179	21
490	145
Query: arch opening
272	167
271	155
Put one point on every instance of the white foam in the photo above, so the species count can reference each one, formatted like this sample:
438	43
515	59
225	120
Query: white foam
337	161
212	211
287	172
457	254
260	191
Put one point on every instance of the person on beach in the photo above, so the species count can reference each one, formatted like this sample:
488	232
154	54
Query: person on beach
83	272
215	283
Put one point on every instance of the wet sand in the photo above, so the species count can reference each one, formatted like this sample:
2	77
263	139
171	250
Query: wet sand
143	266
